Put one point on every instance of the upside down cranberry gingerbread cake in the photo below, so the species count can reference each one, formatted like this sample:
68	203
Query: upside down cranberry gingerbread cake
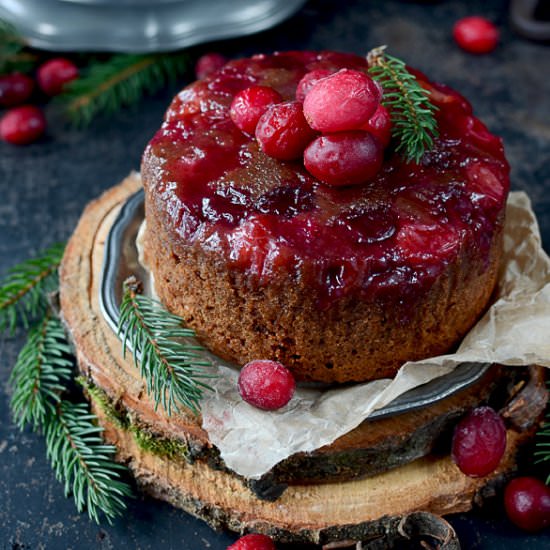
339	282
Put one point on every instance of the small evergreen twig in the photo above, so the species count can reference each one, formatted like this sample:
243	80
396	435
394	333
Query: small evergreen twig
414	125
40	374
171	367
73	442
23	292
11	57
83	462
122	80
542	455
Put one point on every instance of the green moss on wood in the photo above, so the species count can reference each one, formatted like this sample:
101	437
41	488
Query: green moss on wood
118	417
145	439
159	446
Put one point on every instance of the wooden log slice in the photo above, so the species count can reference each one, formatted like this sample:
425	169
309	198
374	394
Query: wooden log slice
172	458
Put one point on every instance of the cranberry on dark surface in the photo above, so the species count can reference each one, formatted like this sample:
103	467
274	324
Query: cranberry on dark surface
283	132
15	89
208	64
22	125
476	34
346	158
342	101
308	81
479	442
379	125
250	104
55	74
253	542
266	384
527	503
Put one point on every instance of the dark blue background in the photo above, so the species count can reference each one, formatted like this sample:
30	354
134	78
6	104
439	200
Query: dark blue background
44	187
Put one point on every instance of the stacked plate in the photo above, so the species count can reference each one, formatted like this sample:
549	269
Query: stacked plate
139	25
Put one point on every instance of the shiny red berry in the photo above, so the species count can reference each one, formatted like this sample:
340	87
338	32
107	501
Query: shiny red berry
266	384
379	125
342	101
345	158
253	542
476	34
283	132
15	89
479	442
55	74
208	64
308	81
527	503
22	125
250	104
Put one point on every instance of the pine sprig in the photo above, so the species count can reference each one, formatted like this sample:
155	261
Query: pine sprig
12	56
542	454
40	374
73	442
171	367
119	81
23	292
83	462
414	125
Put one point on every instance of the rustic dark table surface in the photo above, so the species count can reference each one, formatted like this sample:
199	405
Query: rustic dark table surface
45	186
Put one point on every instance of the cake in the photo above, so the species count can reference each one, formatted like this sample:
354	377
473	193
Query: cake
339	284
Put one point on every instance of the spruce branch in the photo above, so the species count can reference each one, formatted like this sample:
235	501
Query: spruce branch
542	454
40	374
83	462
414	125
169	363
23	292
122	80
12	56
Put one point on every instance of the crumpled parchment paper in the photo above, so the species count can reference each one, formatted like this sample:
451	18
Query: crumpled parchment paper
514	331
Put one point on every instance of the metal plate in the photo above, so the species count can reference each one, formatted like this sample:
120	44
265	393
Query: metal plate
121	261
139	25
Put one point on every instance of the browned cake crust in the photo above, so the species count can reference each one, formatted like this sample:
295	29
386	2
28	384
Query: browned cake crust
357	340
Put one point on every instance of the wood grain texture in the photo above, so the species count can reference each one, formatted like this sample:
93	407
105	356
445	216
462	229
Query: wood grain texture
314	512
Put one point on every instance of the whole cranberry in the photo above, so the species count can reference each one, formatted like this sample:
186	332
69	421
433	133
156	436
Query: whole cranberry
253	542
283	132
342	101
308	81
15	89
527	503
250	104
345	158
55	74
476	34
379	125
479	442
22	125
208	64
266	384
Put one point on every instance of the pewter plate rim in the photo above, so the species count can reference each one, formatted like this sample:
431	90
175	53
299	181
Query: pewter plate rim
121	260
65	25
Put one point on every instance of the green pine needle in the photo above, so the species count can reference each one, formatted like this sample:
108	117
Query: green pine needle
83	462
23	292
543	443
171	367
40	374
414	125
12	58
122	80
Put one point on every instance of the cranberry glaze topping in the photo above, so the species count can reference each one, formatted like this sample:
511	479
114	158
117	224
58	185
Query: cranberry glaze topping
387	239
